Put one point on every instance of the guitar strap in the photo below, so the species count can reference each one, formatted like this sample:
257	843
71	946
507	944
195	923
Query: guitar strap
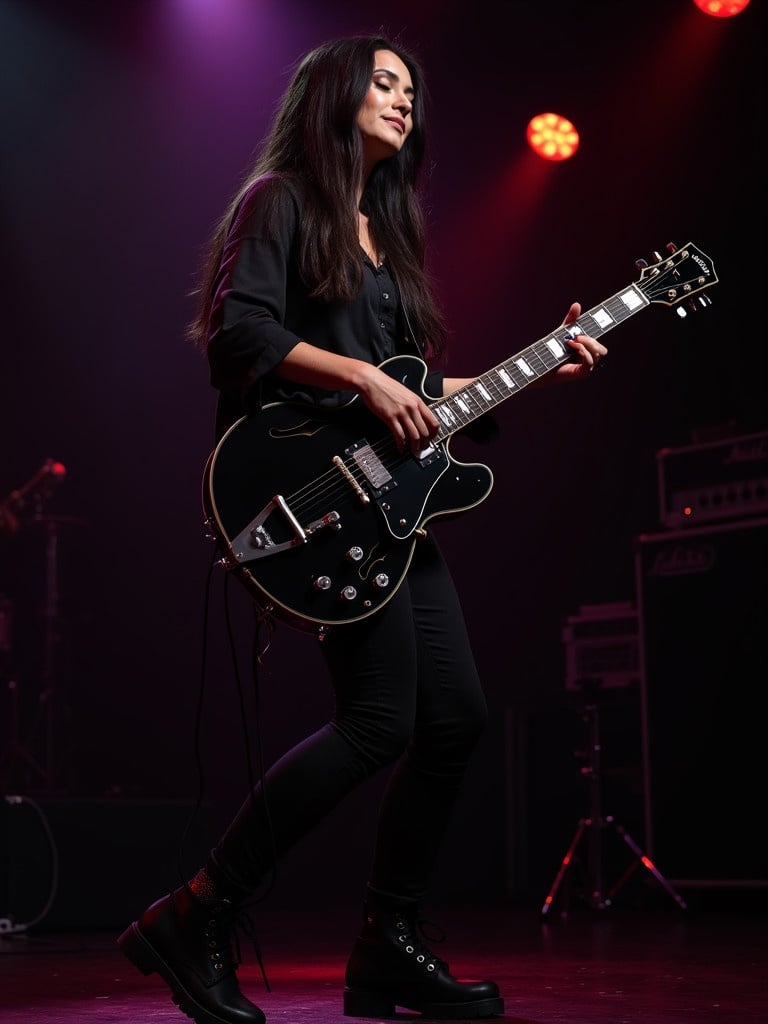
410	336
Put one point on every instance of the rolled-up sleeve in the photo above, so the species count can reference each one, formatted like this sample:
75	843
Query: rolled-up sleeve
248	337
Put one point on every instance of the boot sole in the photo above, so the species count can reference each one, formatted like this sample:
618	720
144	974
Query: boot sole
145	957
359	1003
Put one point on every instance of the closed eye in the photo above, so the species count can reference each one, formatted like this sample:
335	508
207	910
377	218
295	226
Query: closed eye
386	79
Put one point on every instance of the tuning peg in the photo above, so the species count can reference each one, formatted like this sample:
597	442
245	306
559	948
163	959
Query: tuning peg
693	304
697	302
641	264
671	247
656	257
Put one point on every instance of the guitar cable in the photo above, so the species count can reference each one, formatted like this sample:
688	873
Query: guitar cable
8	924
262	618
198	724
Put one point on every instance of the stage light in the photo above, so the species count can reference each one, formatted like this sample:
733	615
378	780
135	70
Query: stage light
721	8
552	137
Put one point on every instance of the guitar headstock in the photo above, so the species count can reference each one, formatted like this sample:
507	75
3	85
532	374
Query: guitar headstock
678	277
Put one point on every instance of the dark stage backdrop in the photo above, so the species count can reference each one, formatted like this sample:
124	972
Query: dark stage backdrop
124	129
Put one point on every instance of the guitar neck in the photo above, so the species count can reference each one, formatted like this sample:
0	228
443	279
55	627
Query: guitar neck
484	393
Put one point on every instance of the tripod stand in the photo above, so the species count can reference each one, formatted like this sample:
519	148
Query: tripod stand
594	828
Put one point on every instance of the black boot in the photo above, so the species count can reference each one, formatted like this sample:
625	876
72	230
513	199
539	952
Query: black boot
189	944
390	967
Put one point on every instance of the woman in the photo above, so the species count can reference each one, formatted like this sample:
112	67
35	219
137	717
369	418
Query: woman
316	275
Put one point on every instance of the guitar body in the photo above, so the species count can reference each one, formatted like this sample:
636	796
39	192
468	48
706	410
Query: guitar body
318	513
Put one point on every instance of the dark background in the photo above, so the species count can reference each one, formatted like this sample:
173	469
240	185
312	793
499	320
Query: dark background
124	129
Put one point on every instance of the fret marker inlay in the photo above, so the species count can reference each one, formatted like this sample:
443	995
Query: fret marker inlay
631	299
603	318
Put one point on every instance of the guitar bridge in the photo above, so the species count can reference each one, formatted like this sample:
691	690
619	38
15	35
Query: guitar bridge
256	541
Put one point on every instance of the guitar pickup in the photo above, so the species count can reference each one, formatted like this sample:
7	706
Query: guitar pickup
380	480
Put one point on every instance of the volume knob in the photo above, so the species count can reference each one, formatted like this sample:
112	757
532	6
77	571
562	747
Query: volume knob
348	594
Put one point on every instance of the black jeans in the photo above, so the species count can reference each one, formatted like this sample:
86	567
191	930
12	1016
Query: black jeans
407	695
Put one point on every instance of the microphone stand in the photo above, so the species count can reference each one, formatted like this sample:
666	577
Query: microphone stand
48	706
57	772
49	697
16	750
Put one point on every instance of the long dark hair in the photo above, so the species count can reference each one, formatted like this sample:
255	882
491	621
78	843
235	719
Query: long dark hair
315	144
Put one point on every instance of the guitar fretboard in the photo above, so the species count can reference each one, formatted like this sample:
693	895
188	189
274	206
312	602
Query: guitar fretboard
532	363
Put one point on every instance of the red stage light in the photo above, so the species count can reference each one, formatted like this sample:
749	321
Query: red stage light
552	137
721	8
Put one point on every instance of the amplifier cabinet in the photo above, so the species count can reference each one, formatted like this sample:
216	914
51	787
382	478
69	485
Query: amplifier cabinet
702	600
601	646
714	481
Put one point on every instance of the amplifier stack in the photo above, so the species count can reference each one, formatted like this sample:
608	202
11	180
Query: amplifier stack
713	482
702	604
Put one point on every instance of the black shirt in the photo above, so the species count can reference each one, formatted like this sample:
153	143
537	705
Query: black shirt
262	309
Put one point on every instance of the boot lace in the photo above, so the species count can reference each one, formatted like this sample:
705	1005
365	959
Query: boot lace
222	934
411	932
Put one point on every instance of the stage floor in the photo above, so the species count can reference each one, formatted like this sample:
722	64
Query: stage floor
613	966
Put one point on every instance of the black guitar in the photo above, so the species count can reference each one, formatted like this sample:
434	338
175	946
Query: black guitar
318	513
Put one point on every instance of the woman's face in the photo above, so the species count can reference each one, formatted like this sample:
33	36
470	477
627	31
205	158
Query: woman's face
385	119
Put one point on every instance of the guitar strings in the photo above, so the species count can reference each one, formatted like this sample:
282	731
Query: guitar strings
323	491
332	487
308	501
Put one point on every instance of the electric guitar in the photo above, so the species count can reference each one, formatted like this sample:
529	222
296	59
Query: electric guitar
318	513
